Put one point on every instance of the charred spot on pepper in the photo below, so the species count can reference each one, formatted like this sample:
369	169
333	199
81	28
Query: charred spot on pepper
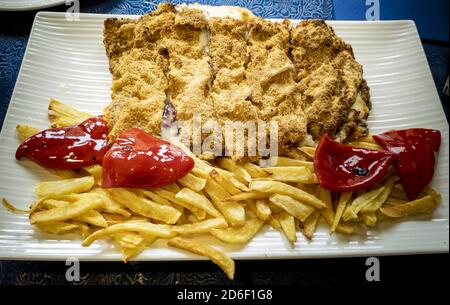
360	171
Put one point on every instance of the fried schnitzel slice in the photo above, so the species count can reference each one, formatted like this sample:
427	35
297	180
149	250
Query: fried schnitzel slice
335	96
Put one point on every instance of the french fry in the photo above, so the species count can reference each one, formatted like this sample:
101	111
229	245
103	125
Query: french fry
145	207
128	239
376	203
199	214
155	197
329	215
274	223
294	207
225	182
219	258
360	202
263	211
239	235
109	205
299	174
239	185
173	188
254	170
128	253
193	182
343	200
369	218
365	145
66	212
419	206
92	217
283	162
247	196
198	200
436	196
276	187
231	210
59	188
144	228
239	172
171	197
61	114
287	223
310	224
26	131
95	171
13	209
308	150
201	227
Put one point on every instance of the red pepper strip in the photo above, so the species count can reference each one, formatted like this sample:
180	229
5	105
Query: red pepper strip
139	160
416	149
68	147
342	168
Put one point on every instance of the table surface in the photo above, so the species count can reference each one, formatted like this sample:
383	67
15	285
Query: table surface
431	17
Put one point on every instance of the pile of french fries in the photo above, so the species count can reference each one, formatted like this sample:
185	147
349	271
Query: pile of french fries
229	201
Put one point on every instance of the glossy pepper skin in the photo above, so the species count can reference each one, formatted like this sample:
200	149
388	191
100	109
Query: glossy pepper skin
416	150
342	168
70	147
140	160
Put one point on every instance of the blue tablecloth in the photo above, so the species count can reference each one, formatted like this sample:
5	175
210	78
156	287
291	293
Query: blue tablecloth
14	31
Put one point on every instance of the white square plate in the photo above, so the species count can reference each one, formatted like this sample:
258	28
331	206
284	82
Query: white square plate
66	60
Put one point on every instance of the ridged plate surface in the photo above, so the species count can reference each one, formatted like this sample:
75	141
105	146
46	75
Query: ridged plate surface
66	60
23	5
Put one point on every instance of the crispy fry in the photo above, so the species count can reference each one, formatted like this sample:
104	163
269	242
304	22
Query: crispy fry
419	206
155	197
299	174
247	196
263	211
144	228
13	209
276	187
294	207
239	235
343	200
365	145
219	258
128	239
173	188
274	223
225	182
66	212
310	224
288	226
369	218
284	162
109	205
59	188
360	202
240	173
145	207
128	253
198	200
172	198
309	151
92	217
201	227
254	170
61	114
231	210
26	131
376	203
193	182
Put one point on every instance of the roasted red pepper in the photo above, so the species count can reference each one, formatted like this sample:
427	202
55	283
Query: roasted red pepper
139	160
68	147
342	168
416	150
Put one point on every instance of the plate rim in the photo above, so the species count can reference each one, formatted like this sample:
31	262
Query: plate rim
31	6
